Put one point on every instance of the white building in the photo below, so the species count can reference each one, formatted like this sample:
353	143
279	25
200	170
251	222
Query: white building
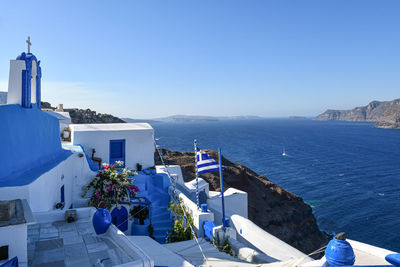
132	143
63	117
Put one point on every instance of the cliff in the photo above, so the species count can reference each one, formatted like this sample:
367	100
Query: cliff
274	209
385	114
86	115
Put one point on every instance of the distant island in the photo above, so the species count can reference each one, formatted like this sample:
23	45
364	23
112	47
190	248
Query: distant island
129	120
298	118
385	114
79	116
193	118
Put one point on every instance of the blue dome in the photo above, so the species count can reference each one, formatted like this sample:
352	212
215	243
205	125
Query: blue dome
27	57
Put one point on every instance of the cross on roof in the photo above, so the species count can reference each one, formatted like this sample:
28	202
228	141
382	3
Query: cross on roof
29	44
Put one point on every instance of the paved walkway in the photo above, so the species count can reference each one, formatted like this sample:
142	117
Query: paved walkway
71	244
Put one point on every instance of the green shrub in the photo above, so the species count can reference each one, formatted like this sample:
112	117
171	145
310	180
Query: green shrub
180	231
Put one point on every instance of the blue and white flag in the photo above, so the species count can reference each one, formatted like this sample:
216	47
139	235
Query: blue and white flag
205	163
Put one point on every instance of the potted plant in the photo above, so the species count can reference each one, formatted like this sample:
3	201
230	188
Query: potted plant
113	184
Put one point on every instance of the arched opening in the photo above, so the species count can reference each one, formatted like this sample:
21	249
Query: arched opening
33	82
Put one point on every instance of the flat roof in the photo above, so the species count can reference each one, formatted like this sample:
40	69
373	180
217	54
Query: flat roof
61	115
110	127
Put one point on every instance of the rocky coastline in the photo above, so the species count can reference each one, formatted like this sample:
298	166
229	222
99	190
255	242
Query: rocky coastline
271	207
385	114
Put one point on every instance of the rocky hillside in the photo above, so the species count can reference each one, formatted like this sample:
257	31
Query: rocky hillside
86	115
274	209
90	116
385	114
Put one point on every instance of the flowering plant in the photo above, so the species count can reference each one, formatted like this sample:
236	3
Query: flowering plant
112	184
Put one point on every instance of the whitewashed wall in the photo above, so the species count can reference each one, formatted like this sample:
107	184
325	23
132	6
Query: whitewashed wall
15	81
44	193
235	203
249	233
15	237
174	170
198	217
139	145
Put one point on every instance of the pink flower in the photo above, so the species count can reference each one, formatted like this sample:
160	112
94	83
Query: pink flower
98	194
135	188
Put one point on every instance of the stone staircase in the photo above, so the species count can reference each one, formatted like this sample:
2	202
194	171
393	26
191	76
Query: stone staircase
155	189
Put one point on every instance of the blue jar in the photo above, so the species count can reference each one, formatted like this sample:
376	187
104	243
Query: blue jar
339	252
101	220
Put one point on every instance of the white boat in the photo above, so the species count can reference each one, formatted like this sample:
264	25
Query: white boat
284	153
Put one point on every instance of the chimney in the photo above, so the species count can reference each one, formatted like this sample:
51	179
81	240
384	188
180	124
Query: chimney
60	107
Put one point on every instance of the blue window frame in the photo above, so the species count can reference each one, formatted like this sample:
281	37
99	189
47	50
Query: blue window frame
62	194
117	151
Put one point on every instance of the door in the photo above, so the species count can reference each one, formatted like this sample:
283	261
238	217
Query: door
117	151
120	218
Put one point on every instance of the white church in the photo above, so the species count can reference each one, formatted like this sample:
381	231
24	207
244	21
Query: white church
45	220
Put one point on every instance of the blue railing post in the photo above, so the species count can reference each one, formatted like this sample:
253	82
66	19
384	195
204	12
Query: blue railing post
224	223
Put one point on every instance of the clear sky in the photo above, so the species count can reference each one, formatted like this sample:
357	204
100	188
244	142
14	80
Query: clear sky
146	59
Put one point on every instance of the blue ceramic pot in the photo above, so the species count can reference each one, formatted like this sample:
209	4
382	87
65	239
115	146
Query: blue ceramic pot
101	221
339	253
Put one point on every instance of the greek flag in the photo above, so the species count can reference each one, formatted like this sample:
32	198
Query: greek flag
205	163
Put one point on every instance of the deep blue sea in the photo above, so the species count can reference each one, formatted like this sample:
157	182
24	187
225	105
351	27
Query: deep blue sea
348	172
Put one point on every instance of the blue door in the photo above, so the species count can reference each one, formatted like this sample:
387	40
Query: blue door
120	218
117	151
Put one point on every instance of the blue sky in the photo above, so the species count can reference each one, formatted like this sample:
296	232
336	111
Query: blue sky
146	59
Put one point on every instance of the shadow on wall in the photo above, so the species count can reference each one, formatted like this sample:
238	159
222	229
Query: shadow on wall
31	144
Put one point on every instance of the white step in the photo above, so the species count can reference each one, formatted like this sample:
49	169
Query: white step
190	251
161	255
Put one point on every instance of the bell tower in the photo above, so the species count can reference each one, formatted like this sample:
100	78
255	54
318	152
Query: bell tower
24	87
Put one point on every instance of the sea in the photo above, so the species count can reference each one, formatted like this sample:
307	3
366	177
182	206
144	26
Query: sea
348	172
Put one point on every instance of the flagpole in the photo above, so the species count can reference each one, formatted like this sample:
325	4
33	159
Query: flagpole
222	187
197	176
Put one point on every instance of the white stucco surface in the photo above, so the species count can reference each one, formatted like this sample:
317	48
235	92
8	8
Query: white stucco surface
198	217
33	82
63	118
111	127
249	233
235	203
14	237
139	141
203	185
158	253
44	192
15	82
174	170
